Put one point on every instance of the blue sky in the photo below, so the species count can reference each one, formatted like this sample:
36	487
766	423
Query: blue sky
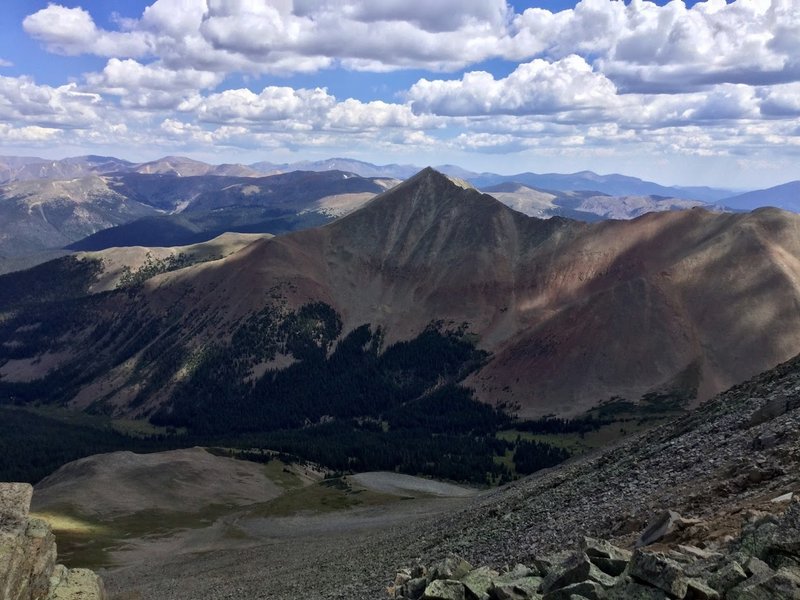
681	93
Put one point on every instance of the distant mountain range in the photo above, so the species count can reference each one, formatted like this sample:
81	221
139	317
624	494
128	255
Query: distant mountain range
14	168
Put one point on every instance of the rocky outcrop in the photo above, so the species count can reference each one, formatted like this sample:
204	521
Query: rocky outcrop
763	563
28	569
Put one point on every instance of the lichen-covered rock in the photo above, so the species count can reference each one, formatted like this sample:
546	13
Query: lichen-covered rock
452	567
659	571
478	582
785	583
728	576
519	589
444	589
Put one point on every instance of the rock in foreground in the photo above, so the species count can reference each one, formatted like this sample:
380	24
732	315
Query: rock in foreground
763	563
28	569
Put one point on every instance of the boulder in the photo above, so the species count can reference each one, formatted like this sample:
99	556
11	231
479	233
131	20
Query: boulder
699	590
519	589
478	582
576	570
662	526
452	567
631	590
785	583
607	557
755	567
659	571
585	589
414	588
727	577
785	537
545	564
77	584
773	409
444	589
27	546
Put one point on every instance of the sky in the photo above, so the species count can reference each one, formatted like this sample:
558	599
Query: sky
687	93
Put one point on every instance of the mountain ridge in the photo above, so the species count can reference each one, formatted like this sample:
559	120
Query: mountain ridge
543	296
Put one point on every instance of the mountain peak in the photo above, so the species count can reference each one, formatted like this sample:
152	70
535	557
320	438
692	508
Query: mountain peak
429	173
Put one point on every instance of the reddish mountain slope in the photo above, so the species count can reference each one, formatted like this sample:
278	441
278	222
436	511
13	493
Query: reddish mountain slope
573	313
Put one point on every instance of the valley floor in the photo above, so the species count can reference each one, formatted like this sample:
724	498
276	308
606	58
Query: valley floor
346	554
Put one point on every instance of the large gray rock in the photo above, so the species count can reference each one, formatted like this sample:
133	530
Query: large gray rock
607	557
15	504
28	569
663	525
772	409
576	570
659	571
785	537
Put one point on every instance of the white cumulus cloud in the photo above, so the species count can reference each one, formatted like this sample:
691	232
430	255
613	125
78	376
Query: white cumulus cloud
537	87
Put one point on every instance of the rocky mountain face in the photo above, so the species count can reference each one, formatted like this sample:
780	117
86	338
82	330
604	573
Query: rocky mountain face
28	569
708	504
543	296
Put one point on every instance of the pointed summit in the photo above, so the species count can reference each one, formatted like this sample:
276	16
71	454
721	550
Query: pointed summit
429	173
427	196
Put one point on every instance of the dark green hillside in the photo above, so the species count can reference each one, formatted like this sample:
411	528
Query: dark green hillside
57	280
345	401
33	446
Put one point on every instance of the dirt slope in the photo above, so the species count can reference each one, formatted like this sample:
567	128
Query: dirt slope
124	483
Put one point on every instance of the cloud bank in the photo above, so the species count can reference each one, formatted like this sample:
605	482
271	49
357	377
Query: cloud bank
715	78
